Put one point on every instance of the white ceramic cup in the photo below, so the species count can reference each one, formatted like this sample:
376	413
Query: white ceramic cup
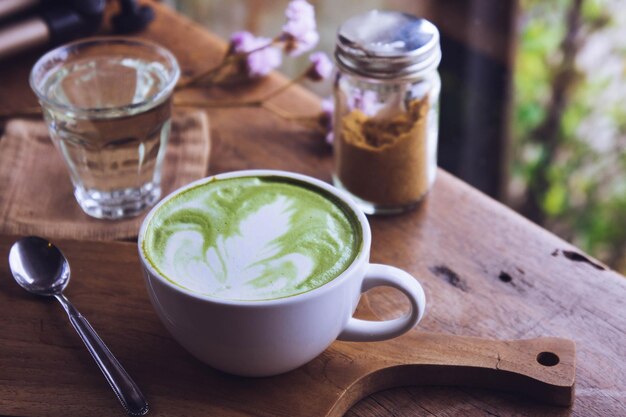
269	337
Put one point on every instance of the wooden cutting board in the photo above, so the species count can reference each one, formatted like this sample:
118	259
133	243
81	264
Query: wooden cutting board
46	371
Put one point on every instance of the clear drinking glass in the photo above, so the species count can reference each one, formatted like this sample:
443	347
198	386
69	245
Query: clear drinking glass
107	103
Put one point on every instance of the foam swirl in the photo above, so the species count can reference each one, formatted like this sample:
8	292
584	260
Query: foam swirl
252	238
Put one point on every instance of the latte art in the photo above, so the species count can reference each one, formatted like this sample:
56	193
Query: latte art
252	238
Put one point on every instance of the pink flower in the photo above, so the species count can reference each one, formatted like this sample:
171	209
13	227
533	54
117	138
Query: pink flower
328	106
300	31
327	118
241	41
261	56
364	101
321	66
262	62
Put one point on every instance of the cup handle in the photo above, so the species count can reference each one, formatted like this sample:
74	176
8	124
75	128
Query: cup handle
377	275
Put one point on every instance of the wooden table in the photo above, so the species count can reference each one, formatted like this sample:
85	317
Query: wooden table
487	272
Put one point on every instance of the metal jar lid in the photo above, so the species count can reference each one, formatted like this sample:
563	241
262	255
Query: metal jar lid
387	45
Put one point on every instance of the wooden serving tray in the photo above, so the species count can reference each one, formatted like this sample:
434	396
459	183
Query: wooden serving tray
46	371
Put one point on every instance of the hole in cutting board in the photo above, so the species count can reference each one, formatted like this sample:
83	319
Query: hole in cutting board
548	358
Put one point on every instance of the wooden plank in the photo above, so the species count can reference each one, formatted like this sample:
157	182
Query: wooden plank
487	273
39	346
43	359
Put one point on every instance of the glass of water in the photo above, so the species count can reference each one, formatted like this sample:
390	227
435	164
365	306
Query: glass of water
107	103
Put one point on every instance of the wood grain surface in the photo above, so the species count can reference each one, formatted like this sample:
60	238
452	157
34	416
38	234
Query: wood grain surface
486	271
43	358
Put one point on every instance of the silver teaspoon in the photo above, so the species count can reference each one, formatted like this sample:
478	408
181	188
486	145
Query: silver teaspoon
40	268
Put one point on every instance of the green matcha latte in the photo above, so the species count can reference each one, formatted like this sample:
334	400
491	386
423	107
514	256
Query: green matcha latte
252	238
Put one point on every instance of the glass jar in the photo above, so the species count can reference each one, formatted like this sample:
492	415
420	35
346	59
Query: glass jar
386	95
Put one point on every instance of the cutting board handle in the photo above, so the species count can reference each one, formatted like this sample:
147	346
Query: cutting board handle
543	368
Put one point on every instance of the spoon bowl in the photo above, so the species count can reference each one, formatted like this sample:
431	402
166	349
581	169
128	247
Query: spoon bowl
38	266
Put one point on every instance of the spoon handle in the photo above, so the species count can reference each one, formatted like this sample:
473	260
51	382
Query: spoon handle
127	391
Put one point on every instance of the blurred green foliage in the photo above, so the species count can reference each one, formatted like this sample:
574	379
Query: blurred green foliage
582	192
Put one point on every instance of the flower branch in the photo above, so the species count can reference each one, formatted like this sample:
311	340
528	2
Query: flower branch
249	57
